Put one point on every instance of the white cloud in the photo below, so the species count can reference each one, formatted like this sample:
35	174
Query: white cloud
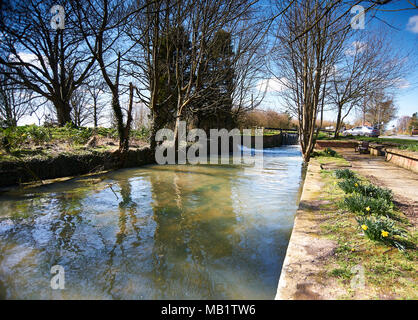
272	85
357	47
29	58
413	24
402	83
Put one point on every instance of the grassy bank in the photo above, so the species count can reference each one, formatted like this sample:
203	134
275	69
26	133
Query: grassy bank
39	142
373	237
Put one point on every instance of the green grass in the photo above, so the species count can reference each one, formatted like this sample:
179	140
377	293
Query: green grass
389	272
37	142
329	156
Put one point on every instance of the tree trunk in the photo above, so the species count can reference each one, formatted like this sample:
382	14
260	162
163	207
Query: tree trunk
127	129
338	124
95	113
63	112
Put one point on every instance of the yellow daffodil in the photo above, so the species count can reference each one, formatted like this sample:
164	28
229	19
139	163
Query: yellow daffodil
384	233
364	227
356	184
367	208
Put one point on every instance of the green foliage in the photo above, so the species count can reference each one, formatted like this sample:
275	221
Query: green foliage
376	192
384	230
141	133
365	205
409	147
15	137
107	132
349	185
327	152
75	135
341	273
12	138
37	134
345	174
369	190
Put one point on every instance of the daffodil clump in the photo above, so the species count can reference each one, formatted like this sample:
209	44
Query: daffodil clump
349	185
353	184
366	205
327	152
345	174
384	230
375	209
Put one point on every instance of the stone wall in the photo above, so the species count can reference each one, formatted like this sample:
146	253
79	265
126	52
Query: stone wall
322	144
67	165
403	158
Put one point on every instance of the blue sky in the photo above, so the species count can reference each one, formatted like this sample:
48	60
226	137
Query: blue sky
405	36
402	29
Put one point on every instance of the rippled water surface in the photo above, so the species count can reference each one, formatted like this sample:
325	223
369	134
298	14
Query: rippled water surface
155	232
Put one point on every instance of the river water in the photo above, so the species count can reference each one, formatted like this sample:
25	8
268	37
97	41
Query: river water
155	232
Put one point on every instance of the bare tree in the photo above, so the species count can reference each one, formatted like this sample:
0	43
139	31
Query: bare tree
97	100
367	64
381	109
51	63
15	103
304	56
173	58
80	107
103	32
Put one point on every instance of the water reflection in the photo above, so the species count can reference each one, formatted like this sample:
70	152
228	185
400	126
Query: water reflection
158	232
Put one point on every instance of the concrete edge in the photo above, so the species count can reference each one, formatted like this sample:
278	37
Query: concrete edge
305	248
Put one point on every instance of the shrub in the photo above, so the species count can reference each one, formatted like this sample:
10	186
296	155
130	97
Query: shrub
37	134
141	133
327	152
330	152
384	230
13	138
107	132
81	135
345	174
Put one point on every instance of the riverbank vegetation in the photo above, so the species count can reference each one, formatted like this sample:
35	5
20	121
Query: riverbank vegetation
374	239
27	142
